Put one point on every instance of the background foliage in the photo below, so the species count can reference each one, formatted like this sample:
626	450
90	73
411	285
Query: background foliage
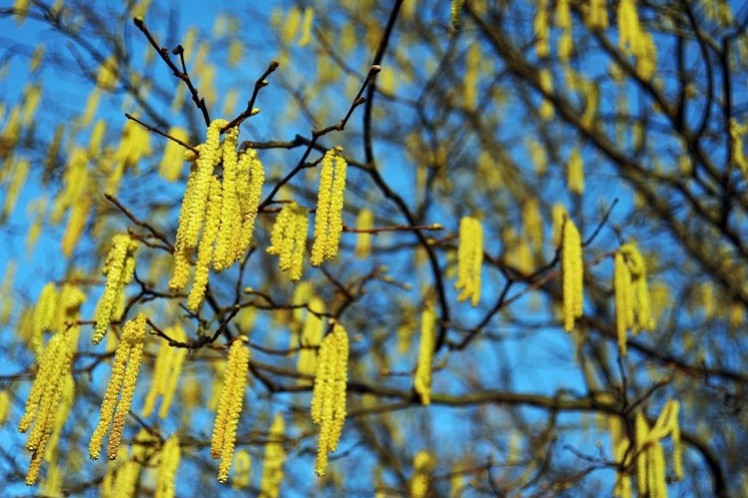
481	108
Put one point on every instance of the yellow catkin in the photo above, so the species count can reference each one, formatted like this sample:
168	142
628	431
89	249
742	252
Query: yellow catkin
575	173
288	239
44	316
195	202
630	38
328	224
328	408
470	260
364	221
311	336
31	98
229	408
597	14
563	21
620	445
306	27
44	400
532	223
473	61
572	275
242	469
166	372
76	225
67	398
641	437
640	303
230	214
205	249
541	28
737	132
114	409
455	12
622	289
20	172
422	381
167	470
170	167
250	178
423	463
4	406
119	270
275	457
546	84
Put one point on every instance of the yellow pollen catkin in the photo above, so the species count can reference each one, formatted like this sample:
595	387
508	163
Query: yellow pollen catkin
328	408
230	210
575	173
572	275
541	28
114	408
166	372
229	408
470	260
250	178
597	15
275	457
422	382
306	27
119	269
633	301
167	470
630	39
546	84
44	400
242	468
311	336
328	224
193	212
288	239
423	464
4	406
205	249
364	221
624	310
171	163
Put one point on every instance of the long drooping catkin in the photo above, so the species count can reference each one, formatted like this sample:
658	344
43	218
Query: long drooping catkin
119	270
288	239
572	274
114	409
328	223
44	400
470	260
229	408
329	402
422	382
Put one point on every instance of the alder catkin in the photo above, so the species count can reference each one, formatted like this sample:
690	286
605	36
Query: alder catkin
123	379
422	382
572	274
469	260
205	249
44	399
275	457
328	408
328	223
229	408
364	221
288	239
167	470
119	270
